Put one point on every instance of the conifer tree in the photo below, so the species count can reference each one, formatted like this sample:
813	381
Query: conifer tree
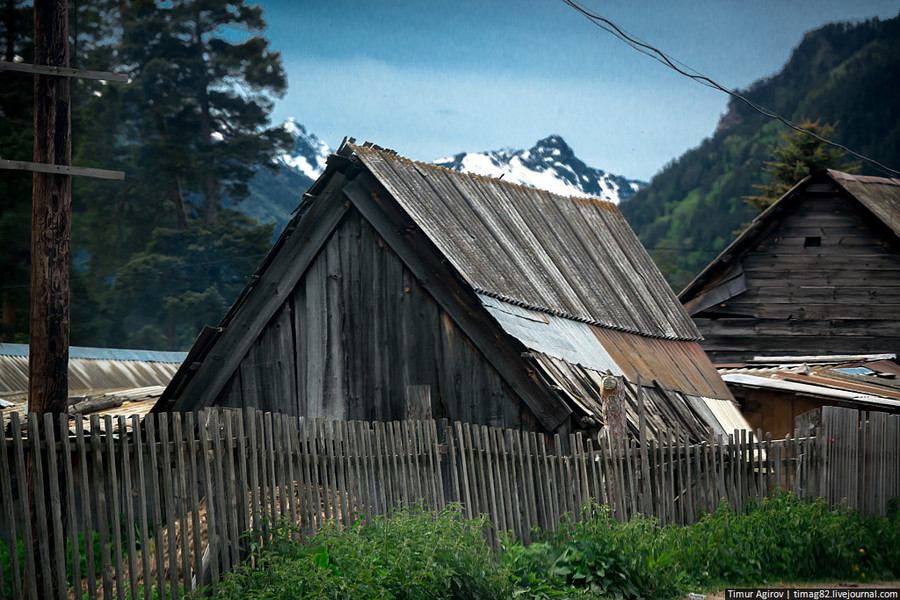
189	130
16	136
797	156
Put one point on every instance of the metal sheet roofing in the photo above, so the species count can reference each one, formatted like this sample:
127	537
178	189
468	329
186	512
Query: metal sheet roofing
674	364
872	382
574	258
93	369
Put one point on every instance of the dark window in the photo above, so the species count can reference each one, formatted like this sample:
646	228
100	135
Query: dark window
812	242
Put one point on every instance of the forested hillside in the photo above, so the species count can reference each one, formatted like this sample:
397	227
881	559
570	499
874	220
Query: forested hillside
842	74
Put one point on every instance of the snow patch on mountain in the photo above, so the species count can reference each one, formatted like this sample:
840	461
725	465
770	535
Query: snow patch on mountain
549	165
309	153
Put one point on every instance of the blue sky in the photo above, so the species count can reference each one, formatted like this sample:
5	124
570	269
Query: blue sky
431	78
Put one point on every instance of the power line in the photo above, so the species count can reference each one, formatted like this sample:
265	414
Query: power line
672	63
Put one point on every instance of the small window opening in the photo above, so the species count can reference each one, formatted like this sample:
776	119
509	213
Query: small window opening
812	241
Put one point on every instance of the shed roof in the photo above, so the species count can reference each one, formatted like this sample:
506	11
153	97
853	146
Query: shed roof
104	381
575	258
878	195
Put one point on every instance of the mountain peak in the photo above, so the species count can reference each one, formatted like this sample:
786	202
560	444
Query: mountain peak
549	165
309	152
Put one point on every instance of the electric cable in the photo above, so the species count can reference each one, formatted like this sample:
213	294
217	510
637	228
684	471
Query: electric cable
672	63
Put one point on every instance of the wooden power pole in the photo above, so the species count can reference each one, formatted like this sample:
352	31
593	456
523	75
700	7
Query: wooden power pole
51	220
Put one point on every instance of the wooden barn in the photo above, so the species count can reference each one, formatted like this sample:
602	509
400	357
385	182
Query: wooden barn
405	290
817	273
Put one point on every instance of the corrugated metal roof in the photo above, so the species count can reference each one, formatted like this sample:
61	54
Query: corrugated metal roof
103	353
90	375
819	391
879	194
675	365
575	258
875	384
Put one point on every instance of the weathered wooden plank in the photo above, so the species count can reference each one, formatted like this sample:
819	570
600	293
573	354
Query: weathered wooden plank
125	454
57	550
68	459
290	450
103	517
232	492
194	478
309	480
39	516
268	468
6	463
24	509
251	423
177	471
630	456
143	508
168	498
206	429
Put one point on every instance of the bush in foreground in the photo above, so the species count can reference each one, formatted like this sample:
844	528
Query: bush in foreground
420	554
411	555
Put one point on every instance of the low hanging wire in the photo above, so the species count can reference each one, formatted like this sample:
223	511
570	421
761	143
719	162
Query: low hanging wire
679	67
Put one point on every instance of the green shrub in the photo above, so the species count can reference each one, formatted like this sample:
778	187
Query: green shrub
413	554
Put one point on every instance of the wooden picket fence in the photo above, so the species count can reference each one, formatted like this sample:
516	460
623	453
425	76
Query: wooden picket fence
162	505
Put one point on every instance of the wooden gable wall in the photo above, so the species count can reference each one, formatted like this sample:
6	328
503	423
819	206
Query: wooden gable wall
359	339
824	279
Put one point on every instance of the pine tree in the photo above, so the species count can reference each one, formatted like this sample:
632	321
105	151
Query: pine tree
797	156
162	255
16	139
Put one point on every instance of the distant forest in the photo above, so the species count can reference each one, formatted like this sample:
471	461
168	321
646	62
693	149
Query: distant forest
845	75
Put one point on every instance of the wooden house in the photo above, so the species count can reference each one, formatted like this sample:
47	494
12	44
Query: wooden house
405	290
817	273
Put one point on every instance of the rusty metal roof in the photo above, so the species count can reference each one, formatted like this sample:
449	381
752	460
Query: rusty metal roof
676	365
873	382
575	258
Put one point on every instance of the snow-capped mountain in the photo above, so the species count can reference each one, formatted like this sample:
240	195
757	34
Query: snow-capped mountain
549	165
309	153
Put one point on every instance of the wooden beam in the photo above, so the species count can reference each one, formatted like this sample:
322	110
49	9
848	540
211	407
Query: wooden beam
62	71
19	165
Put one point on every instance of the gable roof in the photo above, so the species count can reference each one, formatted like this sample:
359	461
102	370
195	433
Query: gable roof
515	268
878	196
575	258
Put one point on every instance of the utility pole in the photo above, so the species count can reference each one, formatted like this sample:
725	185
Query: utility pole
51	217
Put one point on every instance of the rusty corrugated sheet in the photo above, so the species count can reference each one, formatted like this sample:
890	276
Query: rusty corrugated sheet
674	364
879	194
571	257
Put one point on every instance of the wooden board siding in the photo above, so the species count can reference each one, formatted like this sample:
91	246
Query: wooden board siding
842	296
356	332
